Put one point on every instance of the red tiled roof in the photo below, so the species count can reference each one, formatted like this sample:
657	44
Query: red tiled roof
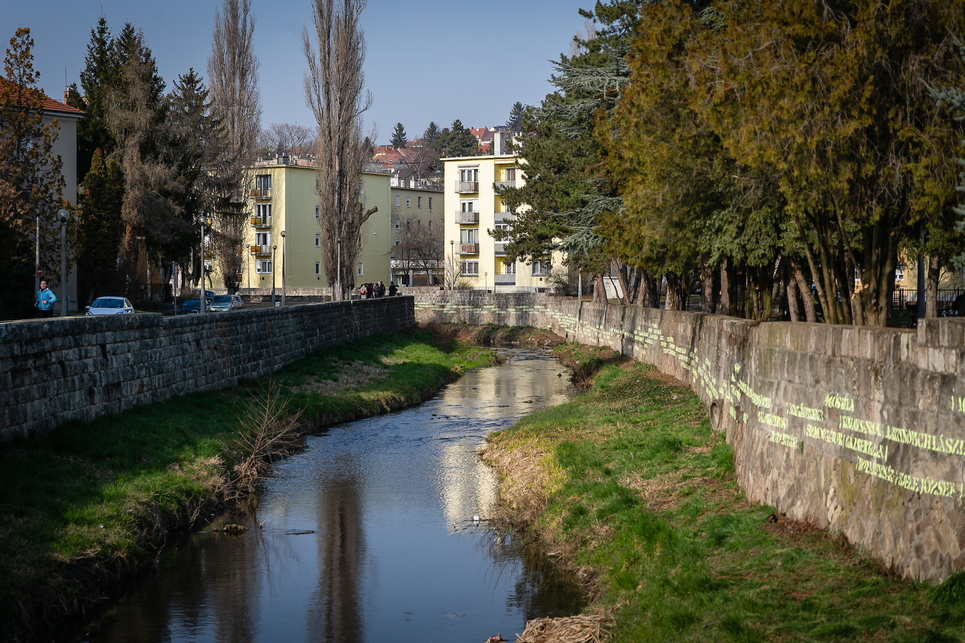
51	105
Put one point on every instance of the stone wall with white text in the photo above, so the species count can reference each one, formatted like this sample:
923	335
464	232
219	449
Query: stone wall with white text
854	429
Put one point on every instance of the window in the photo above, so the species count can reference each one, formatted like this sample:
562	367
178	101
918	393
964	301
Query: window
541	268
318	267
469	236
263	239
318	211
509	268
396	200
430	202
318	239
263	212
469	174
418	223
263	265
900	273
469	205
510	174
263	183
360	269
397	223
419	202
408	202
430	224
469	268
407	222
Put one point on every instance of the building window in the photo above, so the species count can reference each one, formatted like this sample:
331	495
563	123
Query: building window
469	236
469	205
263	265
541	268
318	239
419	202
430	203
408	202
469	268
318	267
900	273
263	183
318	211
469	174
397	223
263	239
263	212
430	224
361	272
396	200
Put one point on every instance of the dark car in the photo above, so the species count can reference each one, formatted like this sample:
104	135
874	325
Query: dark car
189	306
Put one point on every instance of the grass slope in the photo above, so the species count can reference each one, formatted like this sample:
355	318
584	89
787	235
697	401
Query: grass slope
630	486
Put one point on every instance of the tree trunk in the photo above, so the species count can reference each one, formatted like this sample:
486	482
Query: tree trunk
706	286
810	314
932	277
725	307
625	298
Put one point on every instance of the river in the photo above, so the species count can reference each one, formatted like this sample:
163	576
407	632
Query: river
377	531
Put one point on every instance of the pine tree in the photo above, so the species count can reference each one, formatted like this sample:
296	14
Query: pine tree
398	137
456	141
429	136
515	122
100	225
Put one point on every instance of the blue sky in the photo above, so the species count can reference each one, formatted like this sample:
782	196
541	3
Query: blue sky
425	60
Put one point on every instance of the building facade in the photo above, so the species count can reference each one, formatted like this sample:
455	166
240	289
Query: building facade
284	200
473	208
418	231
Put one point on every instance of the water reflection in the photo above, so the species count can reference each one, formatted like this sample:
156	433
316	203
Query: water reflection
394	551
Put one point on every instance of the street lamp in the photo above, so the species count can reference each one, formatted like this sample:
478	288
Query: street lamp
63	216
338	272
452	271
273	248
202	221
284	245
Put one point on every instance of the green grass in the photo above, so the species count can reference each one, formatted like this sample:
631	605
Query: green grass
89	503
644	496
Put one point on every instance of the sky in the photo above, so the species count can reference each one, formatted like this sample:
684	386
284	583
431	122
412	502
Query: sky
427	60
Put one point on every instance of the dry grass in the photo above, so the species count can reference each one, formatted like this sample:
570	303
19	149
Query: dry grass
352	375
583	628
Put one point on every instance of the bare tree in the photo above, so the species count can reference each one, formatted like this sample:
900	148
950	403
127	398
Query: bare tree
333	90
419	249
236	105
285	138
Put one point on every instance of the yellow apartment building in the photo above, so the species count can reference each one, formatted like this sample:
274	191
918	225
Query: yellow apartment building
284	201
473	207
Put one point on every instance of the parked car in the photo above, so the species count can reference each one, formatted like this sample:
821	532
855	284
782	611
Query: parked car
224	303
191	306
110	306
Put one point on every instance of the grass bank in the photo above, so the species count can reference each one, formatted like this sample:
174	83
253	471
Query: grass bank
629	487
93	503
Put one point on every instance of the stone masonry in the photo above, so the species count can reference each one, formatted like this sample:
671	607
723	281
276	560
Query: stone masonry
79	368
853	429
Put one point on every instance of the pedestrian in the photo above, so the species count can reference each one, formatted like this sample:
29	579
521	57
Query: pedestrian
380	289
392	289
45	300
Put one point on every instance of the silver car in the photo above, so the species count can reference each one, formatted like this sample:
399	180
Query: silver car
110	306
224	303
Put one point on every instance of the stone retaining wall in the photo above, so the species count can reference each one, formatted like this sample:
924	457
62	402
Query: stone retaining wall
854	429
79	368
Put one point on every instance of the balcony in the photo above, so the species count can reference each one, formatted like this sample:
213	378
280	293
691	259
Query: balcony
500	185
500	250
257	222
463	218
504	217
469	249
261	251
505	280
261	194
467	186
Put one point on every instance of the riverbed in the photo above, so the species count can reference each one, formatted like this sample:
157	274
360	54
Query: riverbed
377	531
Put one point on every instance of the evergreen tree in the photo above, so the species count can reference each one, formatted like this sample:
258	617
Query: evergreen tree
429	136
100	75
515	122
456	141
398	137
100	225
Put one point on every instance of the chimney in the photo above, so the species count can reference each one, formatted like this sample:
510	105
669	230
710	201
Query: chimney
65	97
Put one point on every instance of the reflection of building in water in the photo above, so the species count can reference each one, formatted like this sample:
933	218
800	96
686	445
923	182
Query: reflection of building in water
334	612
468	486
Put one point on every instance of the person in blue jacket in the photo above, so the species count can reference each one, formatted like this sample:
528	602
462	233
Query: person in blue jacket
45	300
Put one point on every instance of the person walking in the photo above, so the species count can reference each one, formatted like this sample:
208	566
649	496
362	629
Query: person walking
45	300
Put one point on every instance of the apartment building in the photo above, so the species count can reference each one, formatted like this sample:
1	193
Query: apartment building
473	207
284	200
417	228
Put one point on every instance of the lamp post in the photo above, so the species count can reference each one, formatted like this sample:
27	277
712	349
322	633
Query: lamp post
452	275
284	245
273	248
486	280
63	216
37	248
202	301
338	271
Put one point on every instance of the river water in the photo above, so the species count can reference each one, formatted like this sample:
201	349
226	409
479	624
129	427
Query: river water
399	547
